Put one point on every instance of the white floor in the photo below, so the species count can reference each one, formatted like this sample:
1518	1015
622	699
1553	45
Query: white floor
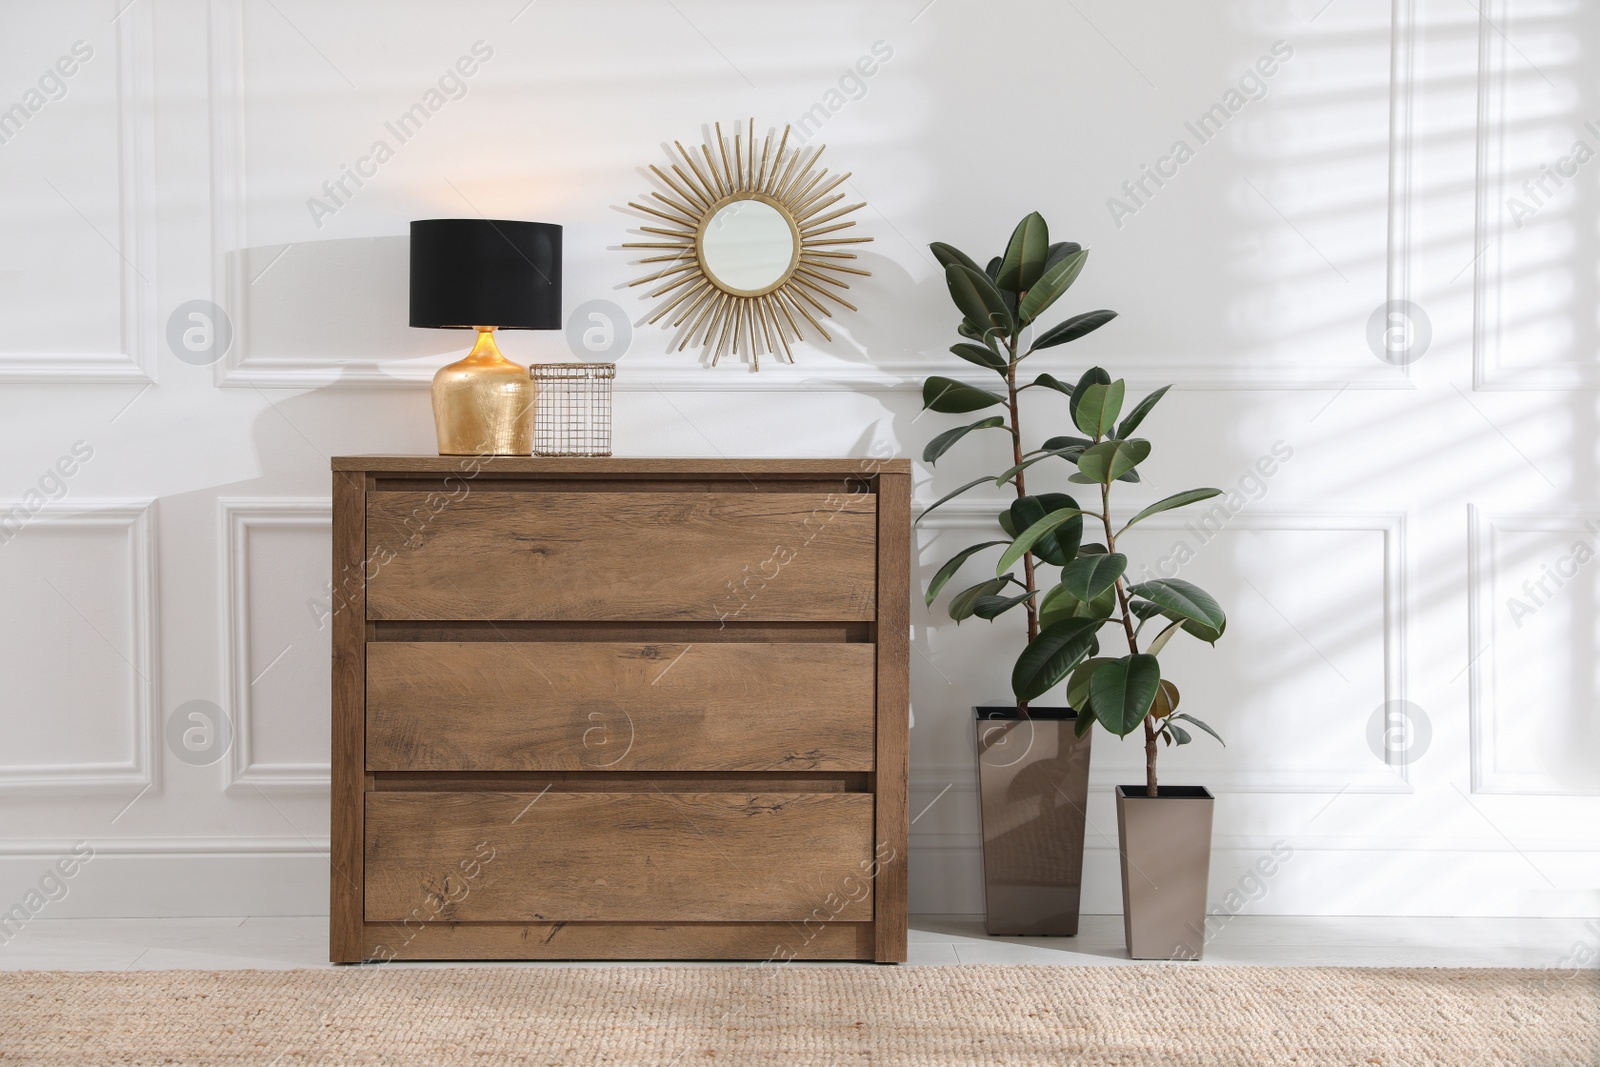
276	942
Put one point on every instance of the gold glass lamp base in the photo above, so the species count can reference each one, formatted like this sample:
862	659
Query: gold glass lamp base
483	404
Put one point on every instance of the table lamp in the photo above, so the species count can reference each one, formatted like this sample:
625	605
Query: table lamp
484	275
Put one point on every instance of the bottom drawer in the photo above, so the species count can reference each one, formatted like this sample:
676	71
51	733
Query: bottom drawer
622	857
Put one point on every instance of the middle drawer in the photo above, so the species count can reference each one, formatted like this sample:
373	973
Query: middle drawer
569	706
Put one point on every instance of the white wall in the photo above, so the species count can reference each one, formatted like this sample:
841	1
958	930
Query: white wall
1374	565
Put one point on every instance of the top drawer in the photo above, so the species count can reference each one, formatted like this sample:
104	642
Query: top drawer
646	556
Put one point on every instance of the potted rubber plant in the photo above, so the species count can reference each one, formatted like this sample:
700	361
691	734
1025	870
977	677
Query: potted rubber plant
1033	767
1164	832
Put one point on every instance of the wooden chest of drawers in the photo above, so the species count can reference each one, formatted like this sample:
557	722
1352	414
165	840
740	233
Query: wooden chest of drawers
651	709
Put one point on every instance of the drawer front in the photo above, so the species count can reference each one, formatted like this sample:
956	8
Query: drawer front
572	706
656	556
623	857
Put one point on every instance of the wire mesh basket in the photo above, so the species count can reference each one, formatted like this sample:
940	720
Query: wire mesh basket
572	416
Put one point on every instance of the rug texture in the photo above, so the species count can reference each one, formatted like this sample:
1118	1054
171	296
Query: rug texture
1190	1015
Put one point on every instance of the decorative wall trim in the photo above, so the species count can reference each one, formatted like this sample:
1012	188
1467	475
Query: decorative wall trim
1482	711
239	516
48	848
1106	841
1393	778
135	363
1496	56
812	372
818	375
138	518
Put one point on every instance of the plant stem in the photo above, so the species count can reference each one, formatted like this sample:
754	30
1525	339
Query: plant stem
1133	644
1022	486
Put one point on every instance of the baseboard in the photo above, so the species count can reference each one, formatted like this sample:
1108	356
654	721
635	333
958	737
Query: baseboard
166	878
948	880
198	877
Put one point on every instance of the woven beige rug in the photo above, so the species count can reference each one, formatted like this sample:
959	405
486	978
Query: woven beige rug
1184	1014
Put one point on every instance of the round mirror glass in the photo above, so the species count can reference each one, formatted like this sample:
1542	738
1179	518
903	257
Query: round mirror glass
747	246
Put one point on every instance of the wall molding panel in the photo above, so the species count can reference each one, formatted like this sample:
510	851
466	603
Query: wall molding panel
137	517
812	371
242	769
1366	778
1482	708
135	362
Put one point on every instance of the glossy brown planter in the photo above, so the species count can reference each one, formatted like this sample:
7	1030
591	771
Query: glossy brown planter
1165	843
1033	780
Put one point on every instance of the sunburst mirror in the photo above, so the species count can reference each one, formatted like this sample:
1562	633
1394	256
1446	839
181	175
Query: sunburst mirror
753	250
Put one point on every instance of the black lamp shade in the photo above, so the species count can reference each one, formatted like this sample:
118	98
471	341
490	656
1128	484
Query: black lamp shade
485	272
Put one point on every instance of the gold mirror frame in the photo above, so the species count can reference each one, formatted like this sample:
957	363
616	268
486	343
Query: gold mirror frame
714	315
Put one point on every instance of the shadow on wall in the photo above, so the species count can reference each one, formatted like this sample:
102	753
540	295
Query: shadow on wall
313	311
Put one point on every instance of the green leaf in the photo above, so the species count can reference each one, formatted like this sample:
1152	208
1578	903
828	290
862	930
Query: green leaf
1097	408
1092	376
1110	460
1060	604
1058	443
1025	255
1088	576
1059	251
988	607
952	565
980	302
1186	717
992	268
948	254
1049	381
1026	539
1181	599
983	356
1166	701
1122	691
1176	500
951	496
1084	721
1136	416
1050	656
964	602
1078	684
941	444
1178	732
1058	546
953	397
1072	329
1051	284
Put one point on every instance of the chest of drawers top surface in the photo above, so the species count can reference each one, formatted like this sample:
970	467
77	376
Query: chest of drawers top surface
614	466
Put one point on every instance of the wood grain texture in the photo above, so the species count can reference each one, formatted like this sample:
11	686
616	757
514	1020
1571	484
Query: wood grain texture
622	556
894	715
625	781
687	633
348	717
755	469
776	942
479	706
618	857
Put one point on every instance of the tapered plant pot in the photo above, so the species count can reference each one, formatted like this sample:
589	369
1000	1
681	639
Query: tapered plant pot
1033	782
1165	843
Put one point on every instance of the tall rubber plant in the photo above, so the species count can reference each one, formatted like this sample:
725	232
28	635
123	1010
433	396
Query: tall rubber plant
998	304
